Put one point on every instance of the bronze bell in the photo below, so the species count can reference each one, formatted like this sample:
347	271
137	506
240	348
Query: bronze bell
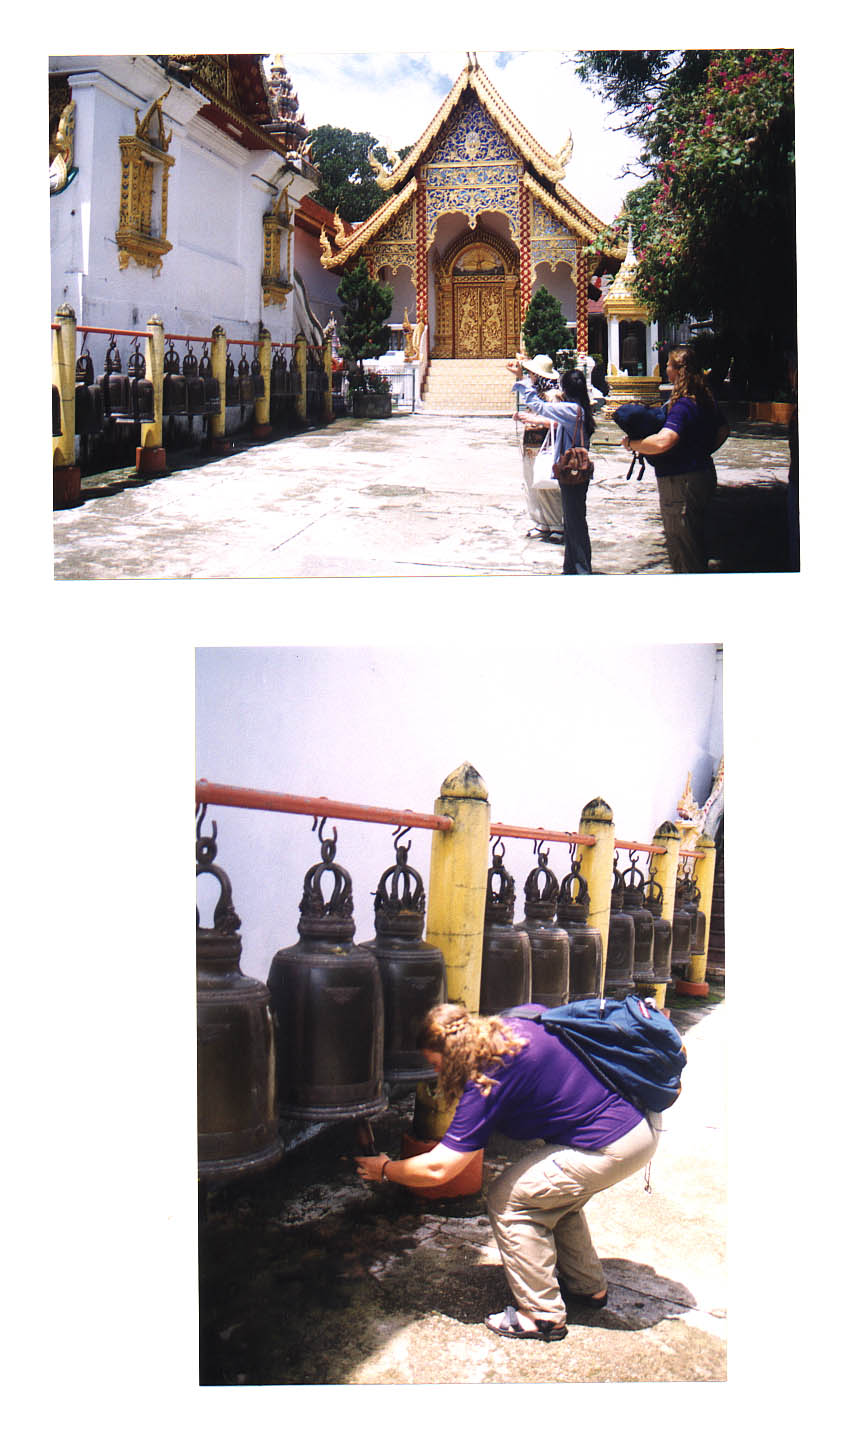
412	972
140	388
685	924
236	1100
211	387
277	383
619	970
549	942
88	397
231	386
246	386
662	959
585	946
174	390
506	956
195	391
115	386
682	932
327	1002
634	891
257	379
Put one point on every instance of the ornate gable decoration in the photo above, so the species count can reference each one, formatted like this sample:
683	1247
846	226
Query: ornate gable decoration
475	168
476	156
396	244
143	212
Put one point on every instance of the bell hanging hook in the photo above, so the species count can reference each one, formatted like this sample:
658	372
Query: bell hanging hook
328	845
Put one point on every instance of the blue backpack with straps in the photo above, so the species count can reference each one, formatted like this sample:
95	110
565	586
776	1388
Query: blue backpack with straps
626	1042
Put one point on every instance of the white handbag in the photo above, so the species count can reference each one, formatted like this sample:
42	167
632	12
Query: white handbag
543	476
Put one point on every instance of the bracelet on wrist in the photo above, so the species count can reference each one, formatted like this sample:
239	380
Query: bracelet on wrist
383	1177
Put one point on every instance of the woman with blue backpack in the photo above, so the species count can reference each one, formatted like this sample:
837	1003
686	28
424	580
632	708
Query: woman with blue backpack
681	455
511	1074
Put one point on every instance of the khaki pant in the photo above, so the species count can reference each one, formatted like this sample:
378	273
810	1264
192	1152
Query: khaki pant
535	1208
684	499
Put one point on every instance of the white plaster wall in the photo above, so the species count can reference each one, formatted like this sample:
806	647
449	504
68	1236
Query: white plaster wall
559	282
385	726
217	195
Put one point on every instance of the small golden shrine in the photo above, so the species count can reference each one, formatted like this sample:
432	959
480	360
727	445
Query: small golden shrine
632	369
473	210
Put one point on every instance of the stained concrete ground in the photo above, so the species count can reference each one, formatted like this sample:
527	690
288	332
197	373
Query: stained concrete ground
411	495
309	1276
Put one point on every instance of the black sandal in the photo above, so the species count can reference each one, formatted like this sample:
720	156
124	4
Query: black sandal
510	1326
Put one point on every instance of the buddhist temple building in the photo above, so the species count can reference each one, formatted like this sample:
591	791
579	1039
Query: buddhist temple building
476	217
175	184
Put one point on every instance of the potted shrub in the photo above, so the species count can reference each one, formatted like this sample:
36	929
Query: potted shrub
371	394
364	334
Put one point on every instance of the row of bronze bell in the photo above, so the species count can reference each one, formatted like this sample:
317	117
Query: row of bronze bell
342	1017
284	380
190	389
555	956
639	942
114	397
689	926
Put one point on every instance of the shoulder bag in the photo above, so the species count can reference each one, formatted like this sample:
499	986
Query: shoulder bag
575	465
543	476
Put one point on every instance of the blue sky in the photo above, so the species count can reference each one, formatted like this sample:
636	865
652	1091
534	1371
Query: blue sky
394	95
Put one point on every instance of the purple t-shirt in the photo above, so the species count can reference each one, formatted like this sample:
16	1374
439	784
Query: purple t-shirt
696	429
545	1091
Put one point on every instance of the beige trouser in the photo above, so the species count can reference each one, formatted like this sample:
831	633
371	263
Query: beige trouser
684	499
535	1208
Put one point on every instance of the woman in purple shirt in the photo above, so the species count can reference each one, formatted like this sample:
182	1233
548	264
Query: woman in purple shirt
511	1076
681	455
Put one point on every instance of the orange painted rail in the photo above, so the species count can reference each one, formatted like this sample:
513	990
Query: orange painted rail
509	830
219	793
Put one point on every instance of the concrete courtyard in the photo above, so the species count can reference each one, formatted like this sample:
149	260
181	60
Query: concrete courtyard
411	495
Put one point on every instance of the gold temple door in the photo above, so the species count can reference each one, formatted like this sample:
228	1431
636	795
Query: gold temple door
479	328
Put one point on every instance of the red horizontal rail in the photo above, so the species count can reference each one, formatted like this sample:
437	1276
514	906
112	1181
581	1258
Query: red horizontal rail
639	847
509	830
131	333
324	807
192	338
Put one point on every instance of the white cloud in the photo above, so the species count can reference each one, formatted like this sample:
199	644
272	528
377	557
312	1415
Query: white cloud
394	96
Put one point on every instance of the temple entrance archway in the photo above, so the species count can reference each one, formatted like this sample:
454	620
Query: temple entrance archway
477	297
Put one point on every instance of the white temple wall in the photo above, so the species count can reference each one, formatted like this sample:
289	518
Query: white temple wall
217	195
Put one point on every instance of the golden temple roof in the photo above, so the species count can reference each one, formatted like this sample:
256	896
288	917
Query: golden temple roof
542	176
476	79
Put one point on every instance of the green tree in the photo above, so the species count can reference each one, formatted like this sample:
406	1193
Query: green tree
366	306
714	225
347	178
545	330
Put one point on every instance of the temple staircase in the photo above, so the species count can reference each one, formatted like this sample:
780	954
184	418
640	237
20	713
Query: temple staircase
468	386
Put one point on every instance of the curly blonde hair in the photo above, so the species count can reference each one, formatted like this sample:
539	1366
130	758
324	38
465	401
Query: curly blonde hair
469	1045
690	381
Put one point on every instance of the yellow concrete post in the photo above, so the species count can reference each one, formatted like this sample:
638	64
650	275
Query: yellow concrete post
301	371
150	456
597	868
66	472
665	869
327	361
65	379
704	870
262	407
459	860
218	422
